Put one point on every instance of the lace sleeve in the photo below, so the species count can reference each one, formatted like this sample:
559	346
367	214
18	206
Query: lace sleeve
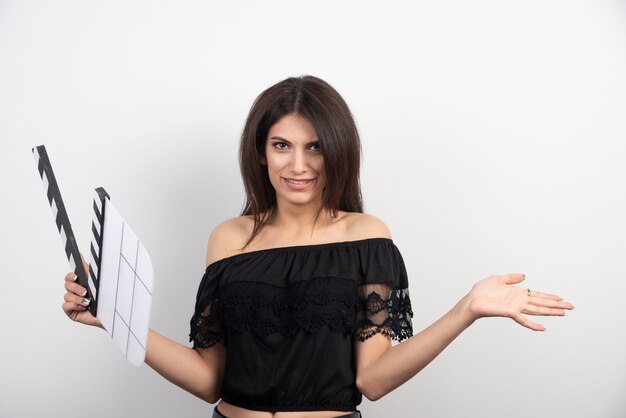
205	324
383	290
205	328
383	310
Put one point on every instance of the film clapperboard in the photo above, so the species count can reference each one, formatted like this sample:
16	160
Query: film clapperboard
120	278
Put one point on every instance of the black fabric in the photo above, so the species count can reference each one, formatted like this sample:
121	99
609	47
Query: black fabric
290	317
356	414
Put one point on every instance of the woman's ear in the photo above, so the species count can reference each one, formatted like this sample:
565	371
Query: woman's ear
263	160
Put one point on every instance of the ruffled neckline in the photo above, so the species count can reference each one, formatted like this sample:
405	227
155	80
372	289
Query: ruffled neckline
294	248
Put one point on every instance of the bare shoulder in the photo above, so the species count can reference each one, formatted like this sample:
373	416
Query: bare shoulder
228	238
364	226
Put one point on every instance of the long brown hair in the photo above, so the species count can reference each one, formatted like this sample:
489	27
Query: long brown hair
319	103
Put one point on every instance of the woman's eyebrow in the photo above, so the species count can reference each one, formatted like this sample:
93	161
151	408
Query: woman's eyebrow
278	138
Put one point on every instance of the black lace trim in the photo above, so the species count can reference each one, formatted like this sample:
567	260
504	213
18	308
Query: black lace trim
397	312
245	307
201	333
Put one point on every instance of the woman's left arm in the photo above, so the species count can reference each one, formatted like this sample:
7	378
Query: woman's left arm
380	368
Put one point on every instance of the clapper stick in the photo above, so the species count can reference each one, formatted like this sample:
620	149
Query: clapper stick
63	223
97	237
120	278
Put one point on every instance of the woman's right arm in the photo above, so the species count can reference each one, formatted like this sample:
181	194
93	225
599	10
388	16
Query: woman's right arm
198	371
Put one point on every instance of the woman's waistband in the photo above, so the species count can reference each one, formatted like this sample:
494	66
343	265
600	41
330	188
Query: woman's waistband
356	414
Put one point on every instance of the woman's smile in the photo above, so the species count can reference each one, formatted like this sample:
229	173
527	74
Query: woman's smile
298	184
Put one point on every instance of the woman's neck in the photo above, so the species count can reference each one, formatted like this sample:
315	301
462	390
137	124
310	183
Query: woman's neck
300	221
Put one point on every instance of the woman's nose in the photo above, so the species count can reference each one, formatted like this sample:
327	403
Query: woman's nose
298	161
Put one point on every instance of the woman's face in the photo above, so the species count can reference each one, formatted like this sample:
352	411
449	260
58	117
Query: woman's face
295	163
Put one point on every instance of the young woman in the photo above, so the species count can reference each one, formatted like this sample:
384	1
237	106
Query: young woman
303	293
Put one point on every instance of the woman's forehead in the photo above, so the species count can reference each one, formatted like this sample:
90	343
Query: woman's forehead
293	128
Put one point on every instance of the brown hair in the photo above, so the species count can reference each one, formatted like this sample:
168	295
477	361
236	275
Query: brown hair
319	103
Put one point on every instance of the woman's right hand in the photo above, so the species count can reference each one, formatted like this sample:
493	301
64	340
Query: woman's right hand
74	305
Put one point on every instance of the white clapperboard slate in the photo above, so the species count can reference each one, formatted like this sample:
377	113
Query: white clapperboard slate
121	277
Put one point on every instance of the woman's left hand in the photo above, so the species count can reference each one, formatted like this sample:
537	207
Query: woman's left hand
497	296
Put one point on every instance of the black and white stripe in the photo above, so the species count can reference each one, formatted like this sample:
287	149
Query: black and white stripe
97	234
62	220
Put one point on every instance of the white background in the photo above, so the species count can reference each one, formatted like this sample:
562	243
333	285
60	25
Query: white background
493	136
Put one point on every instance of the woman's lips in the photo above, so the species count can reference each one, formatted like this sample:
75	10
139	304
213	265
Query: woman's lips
298	184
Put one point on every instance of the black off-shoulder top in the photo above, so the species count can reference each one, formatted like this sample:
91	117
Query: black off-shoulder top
290	317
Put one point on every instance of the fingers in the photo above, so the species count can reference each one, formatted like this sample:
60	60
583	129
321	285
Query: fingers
513	278
75	304
75	300
547	307
71	308
536	293
543	311
71	277
525	322
550	303
541	304
516	278
78	300
536	297
75	288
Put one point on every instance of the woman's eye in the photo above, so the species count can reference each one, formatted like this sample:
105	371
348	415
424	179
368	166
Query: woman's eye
280	145
315	147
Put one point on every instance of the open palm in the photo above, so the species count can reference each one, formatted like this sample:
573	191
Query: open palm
497	296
